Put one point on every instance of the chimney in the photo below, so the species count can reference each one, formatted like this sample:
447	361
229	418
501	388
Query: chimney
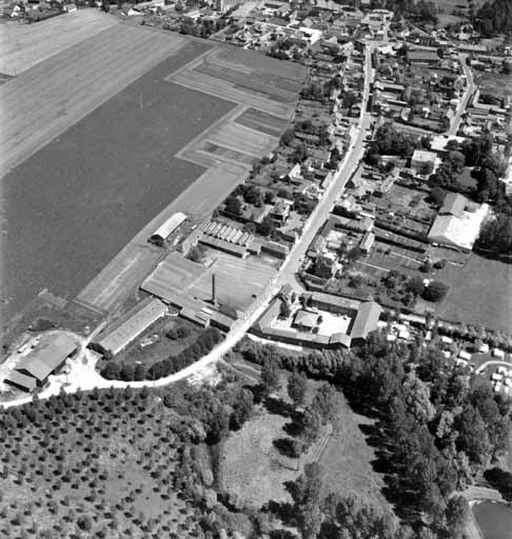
214	298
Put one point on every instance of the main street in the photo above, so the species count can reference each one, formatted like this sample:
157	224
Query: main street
470	90
83	376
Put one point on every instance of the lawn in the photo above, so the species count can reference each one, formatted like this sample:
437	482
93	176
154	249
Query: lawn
479	293
104	179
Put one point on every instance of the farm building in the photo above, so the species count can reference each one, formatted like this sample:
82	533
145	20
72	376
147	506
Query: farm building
44	359
423	57
132	324
458	223
165	230
365	322
336	304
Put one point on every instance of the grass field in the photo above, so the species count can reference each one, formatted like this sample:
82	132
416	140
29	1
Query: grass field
251	467
104	180
347	460
44	101
479	294
25	45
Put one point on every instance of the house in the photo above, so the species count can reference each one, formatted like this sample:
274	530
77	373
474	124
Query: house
281	211
367	243
423	160
423	57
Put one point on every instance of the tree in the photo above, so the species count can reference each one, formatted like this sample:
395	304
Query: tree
325	402
284	310
311	423
457	516
435	291
269	376
111	371
437	195
233	206
296	388
266	227
195	254
415	285
242	408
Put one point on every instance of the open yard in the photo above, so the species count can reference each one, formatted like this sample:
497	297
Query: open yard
237	281
479	293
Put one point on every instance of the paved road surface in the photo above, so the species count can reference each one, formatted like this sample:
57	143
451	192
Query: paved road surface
470	90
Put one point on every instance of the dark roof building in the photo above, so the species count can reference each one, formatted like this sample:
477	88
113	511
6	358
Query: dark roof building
132	324
21	381
50	353
366	321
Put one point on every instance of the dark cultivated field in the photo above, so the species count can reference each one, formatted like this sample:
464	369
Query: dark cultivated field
74	204
261	121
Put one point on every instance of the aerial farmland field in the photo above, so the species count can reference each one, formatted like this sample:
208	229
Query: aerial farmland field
93	139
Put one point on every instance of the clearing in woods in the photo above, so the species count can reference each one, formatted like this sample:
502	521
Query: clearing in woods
254	470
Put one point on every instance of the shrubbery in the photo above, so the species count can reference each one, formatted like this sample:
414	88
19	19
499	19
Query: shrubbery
205	342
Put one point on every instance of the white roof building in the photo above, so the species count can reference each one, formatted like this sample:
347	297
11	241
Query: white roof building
167	228
459	229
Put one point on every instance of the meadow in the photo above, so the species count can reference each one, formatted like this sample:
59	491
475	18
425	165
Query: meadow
479	294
